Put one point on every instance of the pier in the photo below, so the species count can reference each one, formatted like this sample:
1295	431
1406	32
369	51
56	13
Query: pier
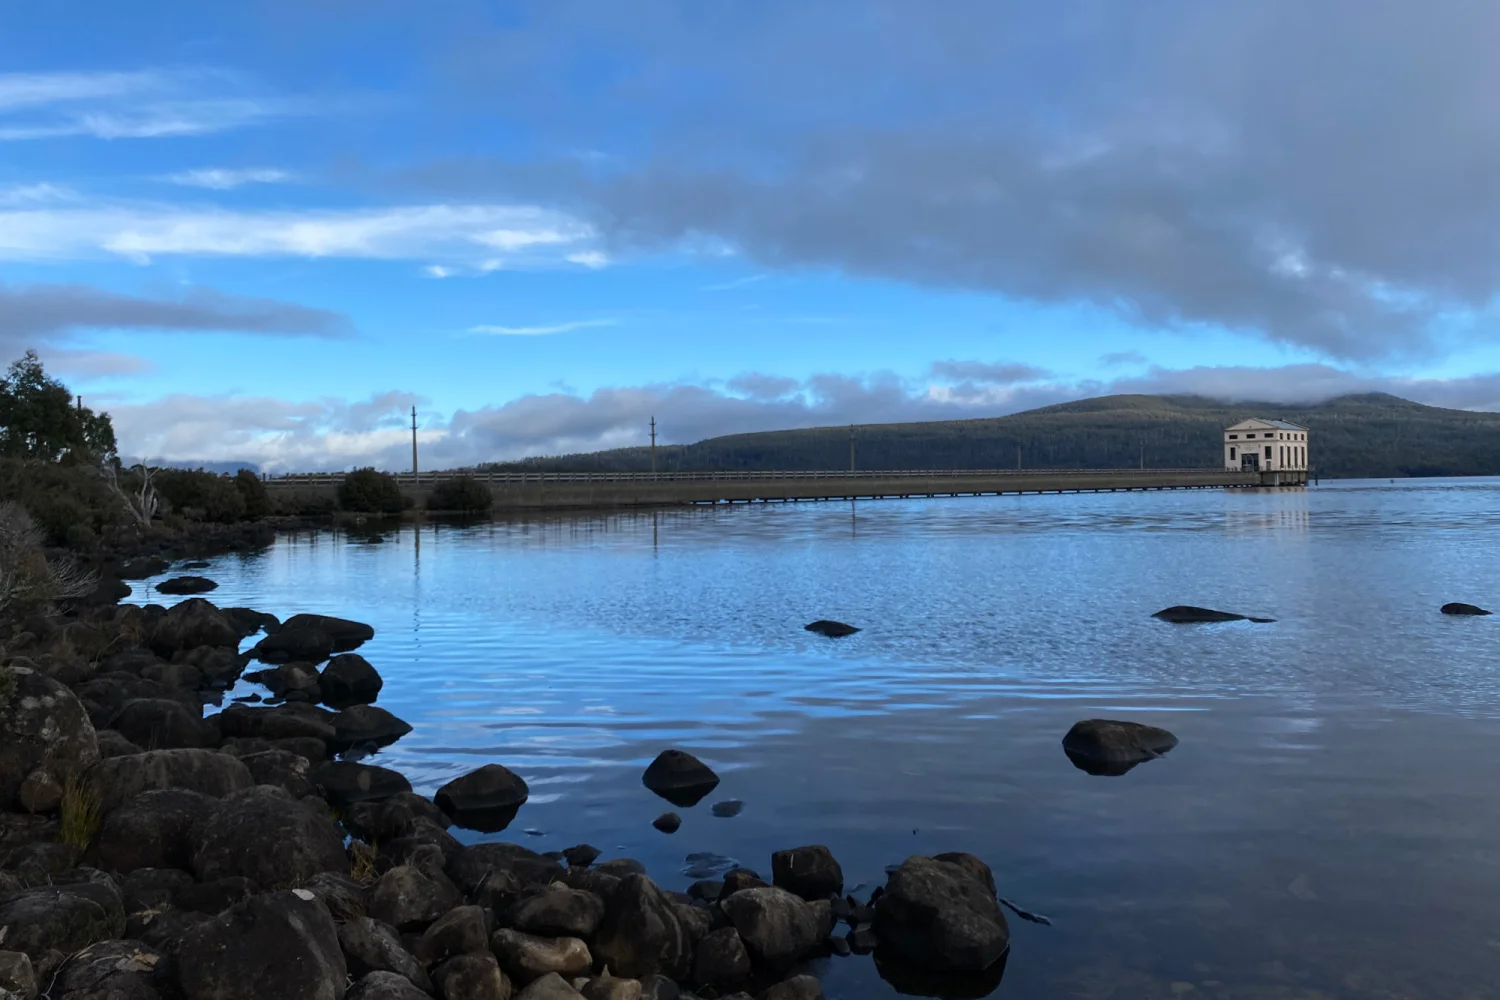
583	490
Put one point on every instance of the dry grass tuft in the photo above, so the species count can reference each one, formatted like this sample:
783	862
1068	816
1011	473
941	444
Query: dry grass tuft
364	862
81	813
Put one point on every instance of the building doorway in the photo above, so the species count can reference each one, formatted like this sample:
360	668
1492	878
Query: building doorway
1250	462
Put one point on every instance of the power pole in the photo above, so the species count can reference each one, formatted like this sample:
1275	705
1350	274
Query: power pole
80	404
414	440
851	447
1143	455
1018	457
653	445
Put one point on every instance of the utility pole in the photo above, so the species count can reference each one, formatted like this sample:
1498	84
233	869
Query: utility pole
653	444
851	447
80	404
414	440
1018	457
1143	455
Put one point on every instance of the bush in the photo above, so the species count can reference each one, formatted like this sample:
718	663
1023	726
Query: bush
463	494
253	492
216	498
304	503
367	491
62	497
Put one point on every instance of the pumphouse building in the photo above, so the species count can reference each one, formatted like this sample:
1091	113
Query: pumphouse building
1277	449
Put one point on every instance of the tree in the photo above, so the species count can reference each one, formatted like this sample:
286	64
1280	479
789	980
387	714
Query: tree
253	492
463	494
39	420
369	491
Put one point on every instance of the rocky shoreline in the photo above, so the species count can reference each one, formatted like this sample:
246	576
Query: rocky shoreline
151	852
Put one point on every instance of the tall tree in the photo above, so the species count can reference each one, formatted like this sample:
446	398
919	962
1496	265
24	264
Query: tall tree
39	420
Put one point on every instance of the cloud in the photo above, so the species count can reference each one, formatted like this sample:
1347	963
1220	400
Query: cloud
22	195
225	179
139	232
50	318
542	330
1197	164
20	90
736	283
1122	359
758	386
1003	373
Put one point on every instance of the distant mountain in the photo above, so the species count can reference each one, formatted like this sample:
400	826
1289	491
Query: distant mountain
1375	435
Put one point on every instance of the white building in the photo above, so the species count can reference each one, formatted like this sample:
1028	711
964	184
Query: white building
1259	445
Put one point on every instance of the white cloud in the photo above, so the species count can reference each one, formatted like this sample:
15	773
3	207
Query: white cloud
20	90
543	330
223	179
736	283
141	231
23	195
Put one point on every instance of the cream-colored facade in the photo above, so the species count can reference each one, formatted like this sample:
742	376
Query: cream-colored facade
1266	446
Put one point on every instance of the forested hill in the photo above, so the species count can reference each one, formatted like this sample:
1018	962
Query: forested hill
1374	435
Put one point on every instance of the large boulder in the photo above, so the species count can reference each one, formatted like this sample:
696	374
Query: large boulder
554	987
529	956
386	986
1186	614
293	681
268	838
472	977
460	931
163	724
345	782
282	722
346	634
155	829
350	680
777	927
49	922
559	912
408	898
941	916
721	960
190	624
640	934
1459	608
281	944
1108	746
371	946
42	725
283	769
680	778
360	725
492	789
478	861
306	645
110	969
117	779
809	872
830	629
182	585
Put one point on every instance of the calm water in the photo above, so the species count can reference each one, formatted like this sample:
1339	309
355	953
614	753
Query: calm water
1328	827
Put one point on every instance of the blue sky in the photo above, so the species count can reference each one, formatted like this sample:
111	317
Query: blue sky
264	232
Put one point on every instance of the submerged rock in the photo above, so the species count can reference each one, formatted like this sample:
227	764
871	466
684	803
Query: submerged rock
1111	747
1462	609
831	629
668	822
186	585
346	634
680	778
1186	614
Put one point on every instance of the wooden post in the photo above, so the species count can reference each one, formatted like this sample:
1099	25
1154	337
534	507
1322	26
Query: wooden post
413	440
653	444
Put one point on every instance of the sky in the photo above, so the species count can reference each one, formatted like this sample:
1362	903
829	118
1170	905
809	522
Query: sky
264	232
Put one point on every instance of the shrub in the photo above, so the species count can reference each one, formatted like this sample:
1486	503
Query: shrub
253	493
215	497
464	494
303	503
367	491
61	497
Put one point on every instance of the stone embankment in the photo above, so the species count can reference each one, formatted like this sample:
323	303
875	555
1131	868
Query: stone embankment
150	851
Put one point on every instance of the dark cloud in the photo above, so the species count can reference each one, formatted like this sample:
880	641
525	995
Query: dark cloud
999	373
1325	175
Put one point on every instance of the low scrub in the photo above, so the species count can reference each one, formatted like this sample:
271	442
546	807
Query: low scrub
368	491
461	494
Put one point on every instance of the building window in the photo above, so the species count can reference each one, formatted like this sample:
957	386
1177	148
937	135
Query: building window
1231	453
1249	437
1234	437
1268	451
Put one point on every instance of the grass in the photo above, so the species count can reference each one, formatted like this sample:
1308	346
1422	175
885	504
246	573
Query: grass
363	862
81	813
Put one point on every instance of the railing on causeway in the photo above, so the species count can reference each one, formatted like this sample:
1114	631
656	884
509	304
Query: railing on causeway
521	478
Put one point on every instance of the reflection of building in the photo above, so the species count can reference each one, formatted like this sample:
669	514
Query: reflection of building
1277	449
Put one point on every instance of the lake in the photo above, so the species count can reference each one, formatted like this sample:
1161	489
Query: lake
1328	827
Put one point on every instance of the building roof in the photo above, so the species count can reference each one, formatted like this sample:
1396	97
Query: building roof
1256	423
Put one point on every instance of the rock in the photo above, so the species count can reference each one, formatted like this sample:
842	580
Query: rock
277	723
174	675
680	778
270	840
460	931
343	782
721	960
549	987
345	898
478	861
105	694
186	585
640	934
659	988
620	867
728	809
607	987
285	645
971	864
350	680
159	724
371	946
152	888
696	920
391	818
472	977
777	927
214	774
110	969
668	822
1462	609
360	724
41	792
941	916
215	897
218	666
191	624
740	879
114	744
831	629
581	855
288	679
1186	614
407	898
283	769
796	988
386	986
42	725
58	919
559	913
17	977
281	944
809	872
346	634
530	956
489	789
140	569
155	829
1105	746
